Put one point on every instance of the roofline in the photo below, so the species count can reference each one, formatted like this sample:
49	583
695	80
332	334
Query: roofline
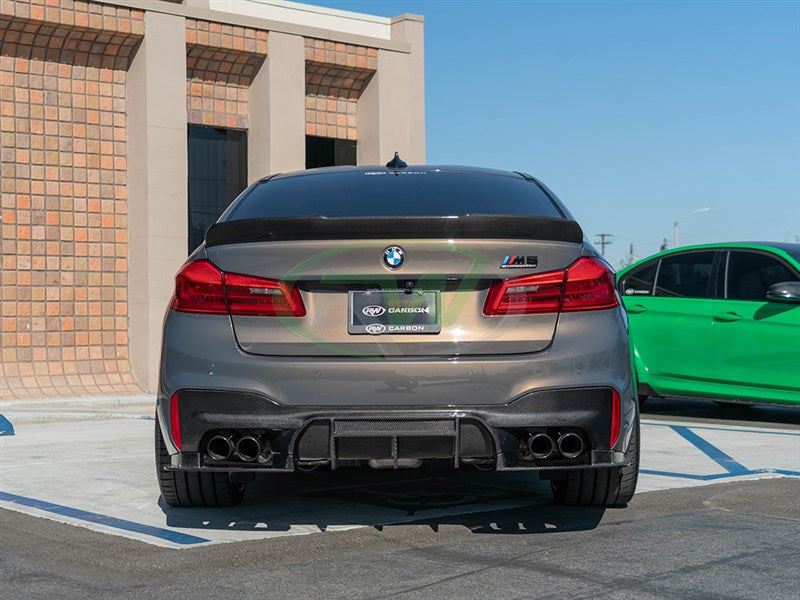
197	12
368	168
758	245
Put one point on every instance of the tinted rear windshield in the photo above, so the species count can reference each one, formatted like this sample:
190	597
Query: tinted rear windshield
387	194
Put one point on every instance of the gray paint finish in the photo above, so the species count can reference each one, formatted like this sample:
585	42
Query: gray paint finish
200	352
460	271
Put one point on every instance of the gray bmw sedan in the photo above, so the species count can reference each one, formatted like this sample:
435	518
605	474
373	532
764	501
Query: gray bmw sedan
395	317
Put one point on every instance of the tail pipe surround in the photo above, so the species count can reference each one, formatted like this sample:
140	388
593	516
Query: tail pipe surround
220	447
570	445
249	448
541	446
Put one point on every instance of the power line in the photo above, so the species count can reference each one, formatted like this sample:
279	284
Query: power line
605	240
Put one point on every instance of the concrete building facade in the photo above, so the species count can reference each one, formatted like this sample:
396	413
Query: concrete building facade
112	116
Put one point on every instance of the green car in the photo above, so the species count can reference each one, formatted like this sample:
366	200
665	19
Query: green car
717	321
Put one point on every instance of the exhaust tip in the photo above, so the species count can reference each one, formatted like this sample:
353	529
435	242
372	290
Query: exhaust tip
220	447
248	448
541	446
570	445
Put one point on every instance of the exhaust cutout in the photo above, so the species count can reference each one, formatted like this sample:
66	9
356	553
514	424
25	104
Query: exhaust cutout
220	447
541	446
570	445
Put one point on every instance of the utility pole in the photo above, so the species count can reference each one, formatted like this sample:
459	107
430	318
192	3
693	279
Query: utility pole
605	240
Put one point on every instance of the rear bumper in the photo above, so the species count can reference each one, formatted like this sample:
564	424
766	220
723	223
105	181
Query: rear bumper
486	434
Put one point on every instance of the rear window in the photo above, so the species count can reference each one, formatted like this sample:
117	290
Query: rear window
639	281
387	194
685	275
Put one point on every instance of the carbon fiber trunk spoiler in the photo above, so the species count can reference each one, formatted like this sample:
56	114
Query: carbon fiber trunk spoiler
456	227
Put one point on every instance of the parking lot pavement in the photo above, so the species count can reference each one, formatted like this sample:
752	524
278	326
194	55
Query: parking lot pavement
99	474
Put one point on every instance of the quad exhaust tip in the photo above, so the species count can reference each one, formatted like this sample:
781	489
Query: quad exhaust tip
541	446
570	445
248	448
220	447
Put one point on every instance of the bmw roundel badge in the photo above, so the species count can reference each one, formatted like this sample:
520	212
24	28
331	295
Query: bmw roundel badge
393	257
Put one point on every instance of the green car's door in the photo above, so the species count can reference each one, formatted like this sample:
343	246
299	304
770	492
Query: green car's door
671	326
757	342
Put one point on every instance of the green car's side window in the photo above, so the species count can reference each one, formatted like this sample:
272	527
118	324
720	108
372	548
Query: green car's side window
750	274
639	282
685	275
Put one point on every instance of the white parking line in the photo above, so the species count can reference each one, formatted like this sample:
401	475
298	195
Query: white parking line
100	475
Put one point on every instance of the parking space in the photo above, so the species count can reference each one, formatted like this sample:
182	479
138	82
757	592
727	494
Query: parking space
99	474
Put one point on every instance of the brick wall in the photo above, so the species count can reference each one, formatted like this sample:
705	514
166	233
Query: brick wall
64	196
221	61
336	75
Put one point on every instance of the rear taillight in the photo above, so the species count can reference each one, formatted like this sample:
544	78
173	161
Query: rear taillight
262	297
201	287
532	294
588	284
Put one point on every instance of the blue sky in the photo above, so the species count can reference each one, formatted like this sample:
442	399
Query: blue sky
634	113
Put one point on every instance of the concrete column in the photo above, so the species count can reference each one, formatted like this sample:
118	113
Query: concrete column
258	132
157	185
411	29
277	109
391	110
383	114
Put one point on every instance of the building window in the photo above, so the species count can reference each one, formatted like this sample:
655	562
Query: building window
329	152
217	174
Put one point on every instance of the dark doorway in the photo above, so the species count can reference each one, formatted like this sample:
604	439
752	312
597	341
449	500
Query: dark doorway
329	152
217	174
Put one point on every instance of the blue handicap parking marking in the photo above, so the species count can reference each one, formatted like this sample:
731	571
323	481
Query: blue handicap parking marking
732	467
6	428
169	535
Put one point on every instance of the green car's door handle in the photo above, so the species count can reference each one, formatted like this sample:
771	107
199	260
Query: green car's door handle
727	316
636	309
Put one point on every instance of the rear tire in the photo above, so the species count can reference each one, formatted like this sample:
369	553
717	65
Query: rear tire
185	489
601	487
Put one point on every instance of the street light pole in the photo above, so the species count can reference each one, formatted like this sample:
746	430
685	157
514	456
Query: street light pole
682	219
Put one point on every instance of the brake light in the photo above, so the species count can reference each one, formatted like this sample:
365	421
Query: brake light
588	284
262	297
532	294
615	418
201	287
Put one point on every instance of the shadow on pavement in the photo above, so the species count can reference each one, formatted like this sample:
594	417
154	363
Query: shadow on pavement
730	414
514	503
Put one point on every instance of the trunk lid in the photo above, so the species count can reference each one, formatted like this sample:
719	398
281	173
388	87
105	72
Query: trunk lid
447	276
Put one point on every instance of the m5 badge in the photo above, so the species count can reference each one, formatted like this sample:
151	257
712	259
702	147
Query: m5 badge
520	262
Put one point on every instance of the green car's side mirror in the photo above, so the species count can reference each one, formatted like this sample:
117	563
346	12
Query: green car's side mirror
787	291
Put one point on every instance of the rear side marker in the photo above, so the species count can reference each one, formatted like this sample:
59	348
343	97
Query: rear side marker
175	422
615	418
